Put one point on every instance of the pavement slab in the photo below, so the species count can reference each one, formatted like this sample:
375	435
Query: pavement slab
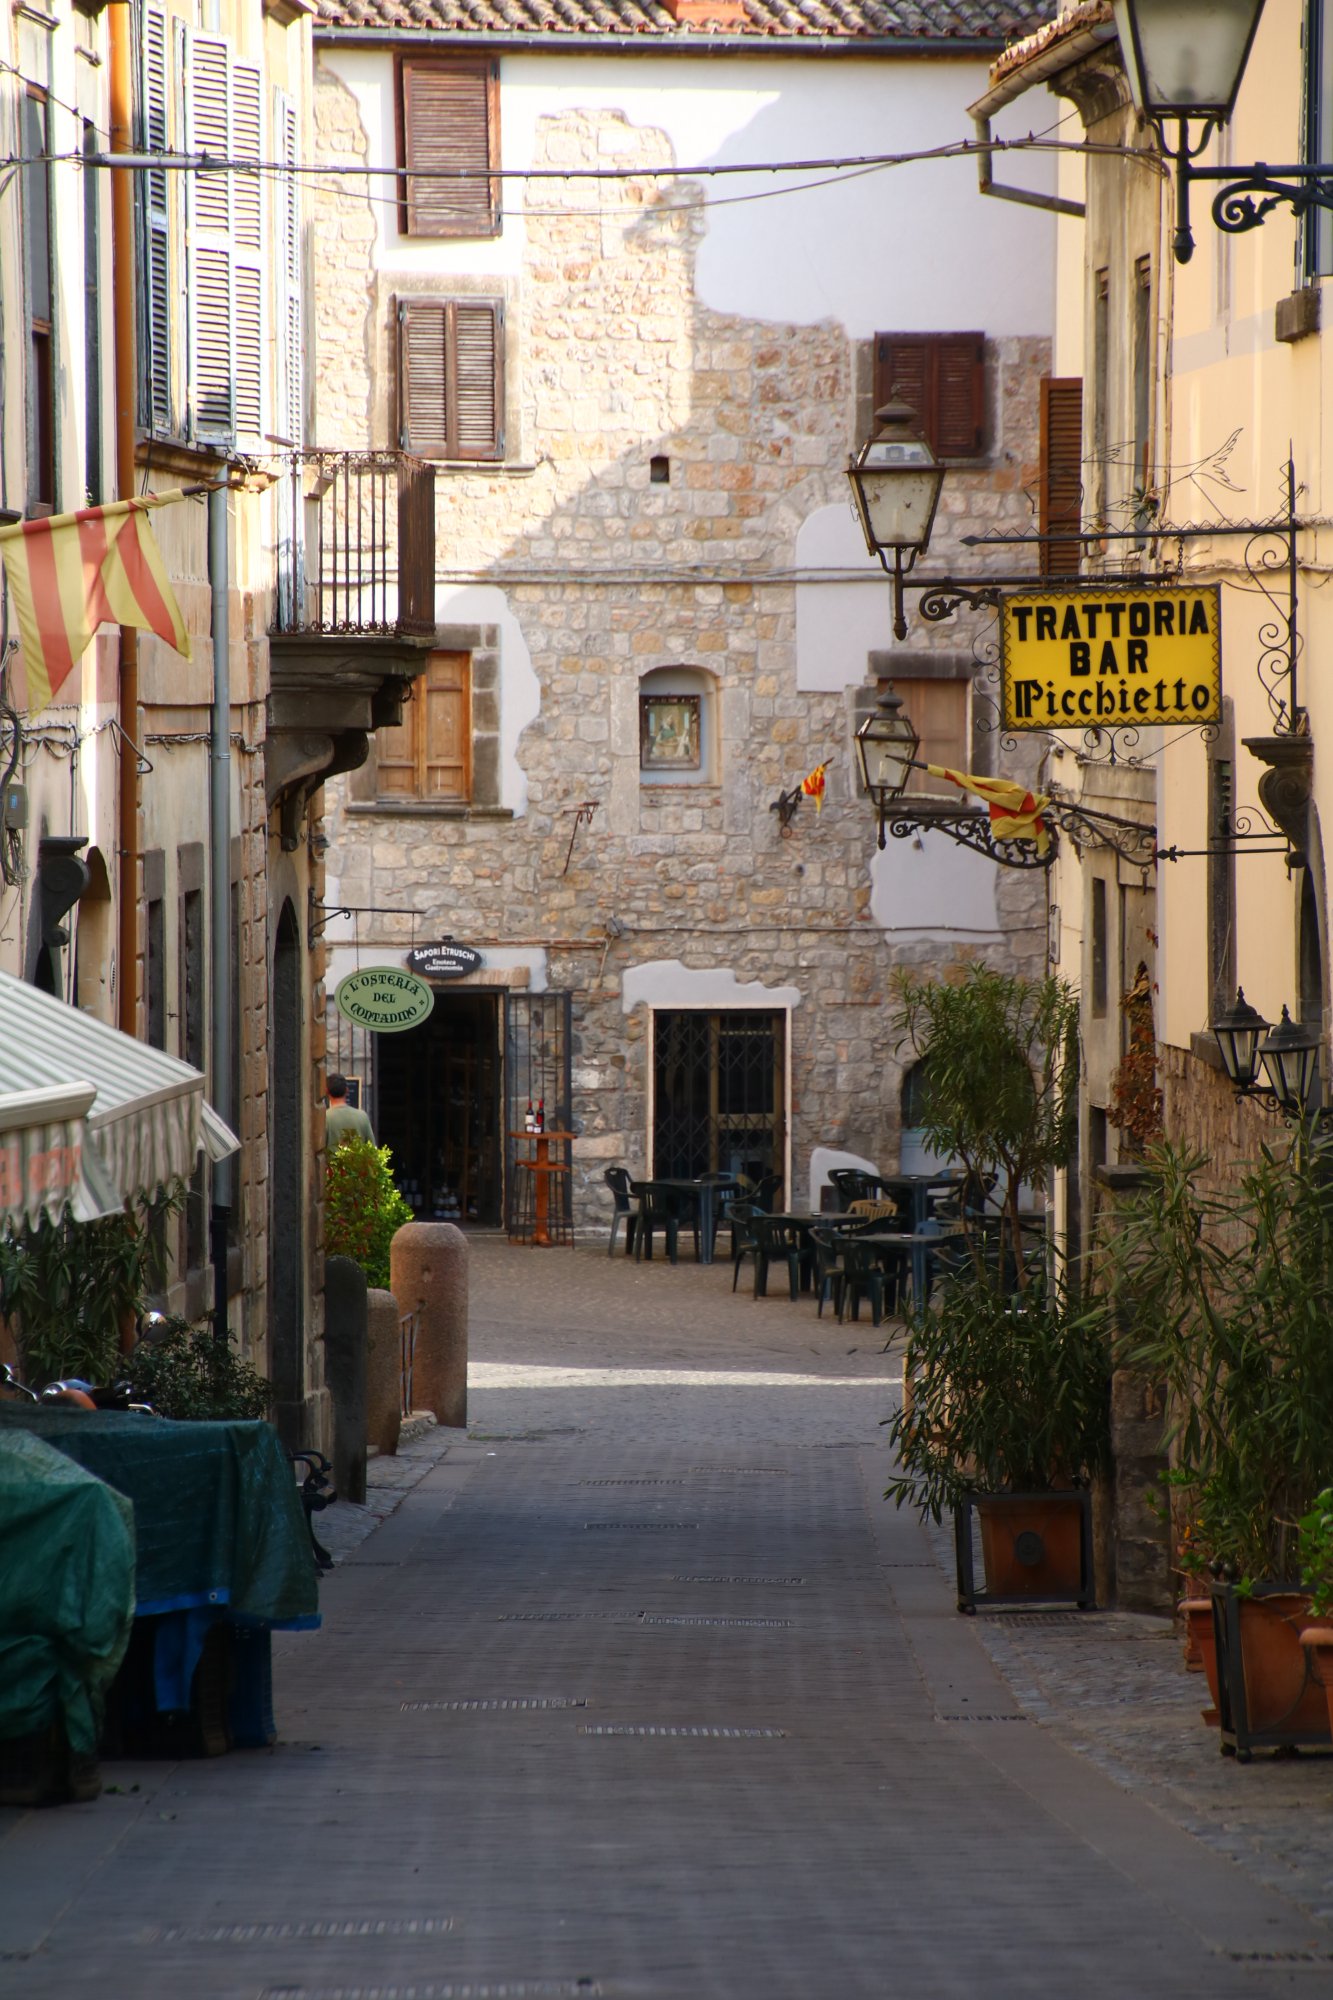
641	1690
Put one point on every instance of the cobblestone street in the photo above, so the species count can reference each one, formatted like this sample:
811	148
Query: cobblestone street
640	1689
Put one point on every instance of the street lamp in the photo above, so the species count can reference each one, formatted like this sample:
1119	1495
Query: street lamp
896	481
886	747
1237	1032
1185	60
1288	1053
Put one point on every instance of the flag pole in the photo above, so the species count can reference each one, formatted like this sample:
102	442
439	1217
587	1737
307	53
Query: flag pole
123	313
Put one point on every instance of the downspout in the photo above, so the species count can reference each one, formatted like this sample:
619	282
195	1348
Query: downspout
1050	51
219	934
123	316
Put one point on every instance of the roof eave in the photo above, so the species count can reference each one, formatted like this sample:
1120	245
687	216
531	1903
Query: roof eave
1051	54
574	43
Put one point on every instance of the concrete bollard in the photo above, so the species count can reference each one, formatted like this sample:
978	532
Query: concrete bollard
345	1372
384	1372
428	1271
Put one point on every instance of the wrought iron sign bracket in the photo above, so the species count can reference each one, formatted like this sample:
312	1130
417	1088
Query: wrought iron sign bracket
968	828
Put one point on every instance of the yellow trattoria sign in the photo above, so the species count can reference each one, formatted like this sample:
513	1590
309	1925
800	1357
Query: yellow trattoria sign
1111	659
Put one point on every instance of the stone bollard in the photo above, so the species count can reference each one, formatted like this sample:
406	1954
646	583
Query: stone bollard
345	1372
384	1372
428	1271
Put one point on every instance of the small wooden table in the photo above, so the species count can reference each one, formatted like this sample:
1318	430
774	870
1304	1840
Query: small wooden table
541	1166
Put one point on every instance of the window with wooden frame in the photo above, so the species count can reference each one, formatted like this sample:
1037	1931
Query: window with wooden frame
938	713
39	299
943	377
449	143
428	755
451	378
1060	488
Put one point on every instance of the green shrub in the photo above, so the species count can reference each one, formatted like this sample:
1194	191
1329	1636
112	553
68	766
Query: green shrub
67	1286
189	1372
1004	1393
362	1207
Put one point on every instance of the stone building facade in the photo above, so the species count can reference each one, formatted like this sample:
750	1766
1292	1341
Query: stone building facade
663	542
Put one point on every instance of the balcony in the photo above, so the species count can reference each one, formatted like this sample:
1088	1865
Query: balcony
354	612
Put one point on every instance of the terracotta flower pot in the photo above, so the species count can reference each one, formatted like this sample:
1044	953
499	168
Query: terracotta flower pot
1201	1648
1317	1645
1280	1693
1031	1545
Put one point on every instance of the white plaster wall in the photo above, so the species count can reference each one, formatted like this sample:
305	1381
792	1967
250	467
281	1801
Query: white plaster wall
838	623
936	889
665	982
913	248
520	690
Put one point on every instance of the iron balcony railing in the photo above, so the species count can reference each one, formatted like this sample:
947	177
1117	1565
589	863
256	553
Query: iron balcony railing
356	543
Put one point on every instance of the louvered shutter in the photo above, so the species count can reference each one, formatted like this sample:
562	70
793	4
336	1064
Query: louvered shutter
1060	498
291	328
943	377
960	395
477	429
450	118
208	117
157	405
247	267
938	711
902	373
451	377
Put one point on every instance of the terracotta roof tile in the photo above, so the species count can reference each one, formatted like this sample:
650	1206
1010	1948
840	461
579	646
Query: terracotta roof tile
995	21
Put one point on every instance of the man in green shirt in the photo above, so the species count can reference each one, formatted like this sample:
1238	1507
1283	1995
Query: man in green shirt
342	1121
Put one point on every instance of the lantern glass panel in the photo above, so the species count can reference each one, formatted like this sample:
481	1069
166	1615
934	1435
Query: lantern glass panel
1185	58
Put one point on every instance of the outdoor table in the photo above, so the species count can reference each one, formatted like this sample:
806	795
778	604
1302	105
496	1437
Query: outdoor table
704	1195
542	1167
219	1530
920	1243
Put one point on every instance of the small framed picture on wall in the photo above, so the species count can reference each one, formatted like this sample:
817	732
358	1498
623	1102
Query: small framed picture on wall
669	732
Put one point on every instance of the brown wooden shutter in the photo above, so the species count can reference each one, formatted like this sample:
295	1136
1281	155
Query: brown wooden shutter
938	712
451	377
1060	500
450	125
445	716
943	377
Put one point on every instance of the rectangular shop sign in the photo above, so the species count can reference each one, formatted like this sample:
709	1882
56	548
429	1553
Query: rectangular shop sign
1112	658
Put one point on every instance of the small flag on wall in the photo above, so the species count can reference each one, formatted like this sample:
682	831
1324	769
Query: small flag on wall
813	786
1015	812
71	573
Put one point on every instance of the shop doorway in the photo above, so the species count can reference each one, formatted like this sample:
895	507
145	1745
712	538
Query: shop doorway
437	1098
719	1097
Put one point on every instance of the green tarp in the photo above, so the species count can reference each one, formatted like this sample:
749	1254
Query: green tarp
217	1516
66	1590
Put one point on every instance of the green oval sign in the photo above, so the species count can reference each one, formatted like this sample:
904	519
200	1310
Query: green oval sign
384	998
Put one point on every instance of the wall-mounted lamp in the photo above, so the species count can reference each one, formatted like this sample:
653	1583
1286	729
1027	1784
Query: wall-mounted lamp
1185	60
1288	1053
896	480
886	747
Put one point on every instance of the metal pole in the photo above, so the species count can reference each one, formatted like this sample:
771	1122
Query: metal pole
221	972
123	315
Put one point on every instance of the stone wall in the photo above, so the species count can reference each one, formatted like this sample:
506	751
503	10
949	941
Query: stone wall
613	360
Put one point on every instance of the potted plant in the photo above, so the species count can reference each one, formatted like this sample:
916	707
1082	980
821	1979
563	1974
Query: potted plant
1316	1558
1226	1294
1000	1058
1008	1417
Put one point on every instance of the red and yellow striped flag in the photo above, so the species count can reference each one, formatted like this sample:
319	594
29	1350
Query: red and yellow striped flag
813	786
1015	812
73	572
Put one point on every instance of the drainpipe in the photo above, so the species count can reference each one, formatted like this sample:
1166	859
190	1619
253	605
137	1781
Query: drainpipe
219	932
119	25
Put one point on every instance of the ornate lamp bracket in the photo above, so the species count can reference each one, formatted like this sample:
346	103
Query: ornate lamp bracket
1285	788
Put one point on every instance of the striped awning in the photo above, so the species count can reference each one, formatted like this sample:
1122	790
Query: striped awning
87	1114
